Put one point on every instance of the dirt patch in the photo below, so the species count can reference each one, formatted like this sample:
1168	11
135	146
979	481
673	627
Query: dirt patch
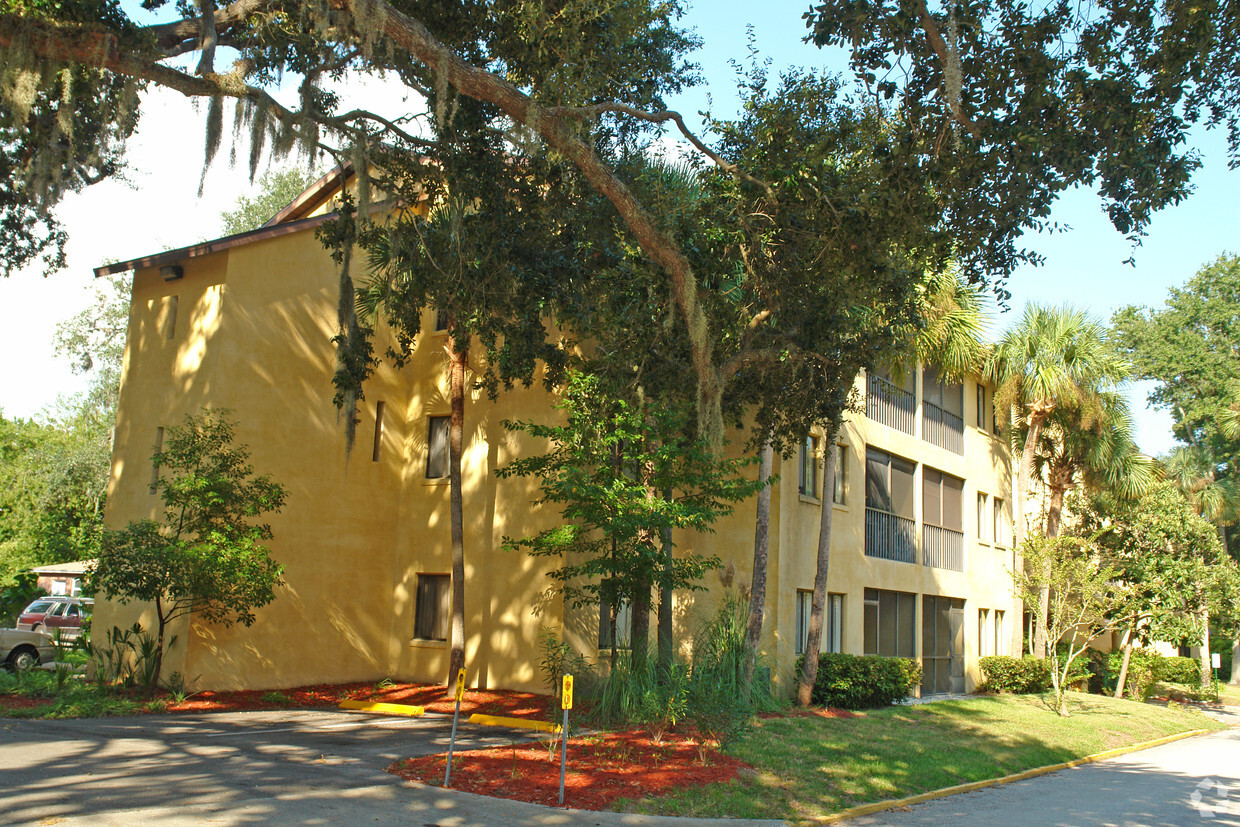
601	769
813	712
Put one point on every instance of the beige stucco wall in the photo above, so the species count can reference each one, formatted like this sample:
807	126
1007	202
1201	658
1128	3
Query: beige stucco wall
252	333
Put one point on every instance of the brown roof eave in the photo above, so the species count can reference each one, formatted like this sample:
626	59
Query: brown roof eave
208	247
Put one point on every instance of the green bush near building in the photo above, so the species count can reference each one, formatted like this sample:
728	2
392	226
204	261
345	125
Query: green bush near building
863	682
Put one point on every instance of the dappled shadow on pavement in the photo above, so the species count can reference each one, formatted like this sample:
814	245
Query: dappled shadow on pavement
207	763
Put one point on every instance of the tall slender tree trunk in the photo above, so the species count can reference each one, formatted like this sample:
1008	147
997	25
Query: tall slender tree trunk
1024	482
665	642
1207	674
1123	667
457	360
158	666
641	624
813	645
761	543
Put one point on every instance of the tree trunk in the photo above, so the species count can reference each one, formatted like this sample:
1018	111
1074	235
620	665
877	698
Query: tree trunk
640	636
1123	667
813	645
456	391
1054	510
1020	528
1207	674
159	648
757	589
665	643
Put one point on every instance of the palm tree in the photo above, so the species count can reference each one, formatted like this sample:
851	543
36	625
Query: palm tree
1053	357
1098	453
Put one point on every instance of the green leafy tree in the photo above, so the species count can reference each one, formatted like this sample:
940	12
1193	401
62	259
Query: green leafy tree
206	557
623	476
1083	595
1178	578
1187	347
277	188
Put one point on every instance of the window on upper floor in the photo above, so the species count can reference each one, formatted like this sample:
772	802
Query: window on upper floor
941	500
889	483
807	472
841	474
1000	535
983	516
942	413
981	406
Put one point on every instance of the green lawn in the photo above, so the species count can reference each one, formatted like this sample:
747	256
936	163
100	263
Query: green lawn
811	767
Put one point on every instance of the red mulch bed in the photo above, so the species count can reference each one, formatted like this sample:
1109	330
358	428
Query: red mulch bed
601	768
435	698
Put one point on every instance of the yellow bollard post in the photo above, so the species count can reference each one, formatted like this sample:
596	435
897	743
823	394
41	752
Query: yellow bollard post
566	702
460	693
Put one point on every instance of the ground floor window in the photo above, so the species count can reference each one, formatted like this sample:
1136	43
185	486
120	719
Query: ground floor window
433	608
833	621
621	630
890	623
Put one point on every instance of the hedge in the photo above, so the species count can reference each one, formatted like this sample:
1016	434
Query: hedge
1001	673
863	681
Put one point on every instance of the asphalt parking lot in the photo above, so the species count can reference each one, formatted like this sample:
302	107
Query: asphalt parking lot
285	767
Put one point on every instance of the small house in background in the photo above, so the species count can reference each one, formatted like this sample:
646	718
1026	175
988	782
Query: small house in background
63	578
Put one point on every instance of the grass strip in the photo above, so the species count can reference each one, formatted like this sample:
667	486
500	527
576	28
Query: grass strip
810	767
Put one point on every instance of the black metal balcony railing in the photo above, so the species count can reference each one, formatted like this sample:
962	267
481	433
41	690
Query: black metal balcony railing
890	405
890	537
942	548
942	428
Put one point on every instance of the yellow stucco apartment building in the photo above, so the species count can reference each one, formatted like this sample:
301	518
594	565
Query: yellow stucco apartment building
921	544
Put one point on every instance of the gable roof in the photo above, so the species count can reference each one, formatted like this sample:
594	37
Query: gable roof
292	219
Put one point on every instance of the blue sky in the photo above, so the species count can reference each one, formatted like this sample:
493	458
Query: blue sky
159	208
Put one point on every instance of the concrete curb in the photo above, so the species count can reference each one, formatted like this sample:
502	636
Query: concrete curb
892	803
383	708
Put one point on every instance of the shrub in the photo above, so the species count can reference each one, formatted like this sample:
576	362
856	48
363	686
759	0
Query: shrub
1142	671
861	681
1002	673
1178	670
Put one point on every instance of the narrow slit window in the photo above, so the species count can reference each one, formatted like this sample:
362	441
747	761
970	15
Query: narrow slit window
379	407
841	474
159	446
437	448
170	317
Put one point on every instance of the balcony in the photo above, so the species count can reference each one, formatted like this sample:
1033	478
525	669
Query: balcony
941	428
890	405
890	537
941	548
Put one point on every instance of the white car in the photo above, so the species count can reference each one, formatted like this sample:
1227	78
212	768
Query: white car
21	650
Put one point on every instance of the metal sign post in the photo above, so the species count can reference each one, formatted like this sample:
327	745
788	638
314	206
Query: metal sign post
566	702
460	693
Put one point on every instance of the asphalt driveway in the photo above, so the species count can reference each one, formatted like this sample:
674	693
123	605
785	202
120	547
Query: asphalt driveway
286	767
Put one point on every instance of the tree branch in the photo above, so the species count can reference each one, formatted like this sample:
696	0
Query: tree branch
944	54
663	117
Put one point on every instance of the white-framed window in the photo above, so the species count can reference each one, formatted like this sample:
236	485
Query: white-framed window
832	618
841	474
981	406
985	634
808	471
433	607
1000	647
983	517
1000	535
